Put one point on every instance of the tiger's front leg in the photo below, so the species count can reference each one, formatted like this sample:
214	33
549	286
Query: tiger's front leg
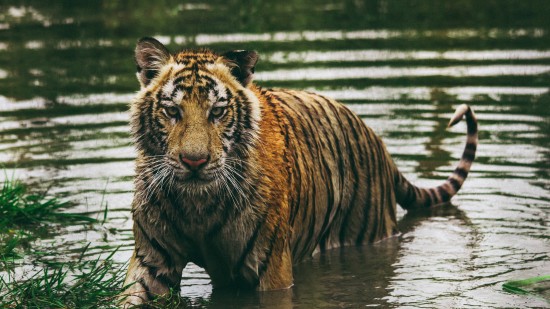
152	271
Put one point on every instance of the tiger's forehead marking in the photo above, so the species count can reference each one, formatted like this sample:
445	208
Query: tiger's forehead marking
192	80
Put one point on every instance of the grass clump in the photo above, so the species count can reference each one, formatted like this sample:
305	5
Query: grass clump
19	208
24	217
89	284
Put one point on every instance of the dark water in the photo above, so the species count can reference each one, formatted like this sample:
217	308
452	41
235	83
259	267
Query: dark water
67	77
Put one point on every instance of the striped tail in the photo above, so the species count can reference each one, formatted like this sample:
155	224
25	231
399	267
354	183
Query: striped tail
411	197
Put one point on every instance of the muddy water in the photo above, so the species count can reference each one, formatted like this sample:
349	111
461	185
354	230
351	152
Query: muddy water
67	77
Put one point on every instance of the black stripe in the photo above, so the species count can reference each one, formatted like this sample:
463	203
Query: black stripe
365	154
209	80
178	80
456	185
226	136
250	244
471	147
429	198
148	127
274	237
445	196
379	222
237	134
231	124
374	178
338	157
433	196
151	125
247	119
468	156
328	178
353	121
141	258
297	170
392	210
427	202
290	171
162	278
312	207
420	196
461	172
141	132
195	69
411	196
159	126
355	189
183	88
471	126
146	288
156	245
362	152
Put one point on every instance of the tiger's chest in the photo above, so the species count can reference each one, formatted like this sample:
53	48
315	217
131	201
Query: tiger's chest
215	240
221	257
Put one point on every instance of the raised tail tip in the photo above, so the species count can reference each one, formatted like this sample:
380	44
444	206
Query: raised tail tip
460	111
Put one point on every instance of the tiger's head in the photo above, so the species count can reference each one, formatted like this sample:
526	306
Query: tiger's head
195	119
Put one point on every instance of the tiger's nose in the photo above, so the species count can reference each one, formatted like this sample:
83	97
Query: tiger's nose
193	162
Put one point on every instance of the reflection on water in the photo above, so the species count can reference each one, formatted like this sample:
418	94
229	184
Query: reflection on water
386	72
67	77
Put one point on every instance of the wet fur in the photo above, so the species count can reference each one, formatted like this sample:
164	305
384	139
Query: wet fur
297	173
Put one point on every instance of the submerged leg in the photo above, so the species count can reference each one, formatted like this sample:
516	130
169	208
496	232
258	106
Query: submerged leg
152	271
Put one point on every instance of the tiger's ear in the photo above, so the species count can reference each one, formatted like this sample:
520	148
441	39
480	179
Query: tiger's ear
242	63
150	55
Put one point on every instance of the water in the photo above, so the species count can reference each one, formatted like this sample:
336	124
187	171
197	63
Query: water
67	77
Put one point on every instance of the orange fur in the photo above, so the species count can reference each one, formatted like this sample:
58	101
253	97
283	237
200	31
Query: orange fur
285	174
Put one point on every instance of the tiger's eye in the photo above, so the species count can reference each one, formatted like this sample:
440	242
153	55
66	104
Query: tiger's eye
172	111
217	112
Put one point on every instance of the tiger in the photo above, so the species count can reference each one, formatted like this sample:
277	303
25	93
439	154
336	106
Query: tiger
246	181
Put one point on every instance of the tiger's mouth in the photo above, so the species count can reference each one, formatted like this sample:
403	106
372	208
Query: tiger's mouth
196	177
205	176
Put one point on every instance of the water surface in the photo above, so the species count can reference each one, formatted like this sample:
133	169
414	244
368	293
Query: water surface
67	77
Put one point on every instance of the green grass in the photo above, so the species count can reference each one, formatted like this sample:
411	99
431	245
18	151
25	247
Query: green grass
88	284
19	208
26	216
78	284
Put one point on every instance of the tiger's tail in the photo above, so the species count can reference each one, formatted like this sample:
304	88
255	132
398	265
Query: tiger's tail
411	197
